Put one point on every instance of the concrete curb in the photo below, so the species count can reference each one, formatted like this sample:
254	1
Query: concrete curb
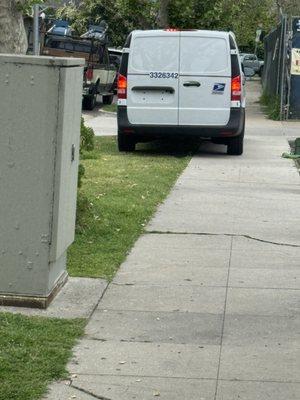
111	113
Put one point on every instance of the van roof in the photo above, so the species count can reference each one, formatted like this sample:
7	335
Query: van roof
207	33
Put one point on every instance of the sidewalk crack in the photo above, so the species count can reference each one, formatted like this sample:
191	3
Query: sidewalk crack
95	396
98	302
222	234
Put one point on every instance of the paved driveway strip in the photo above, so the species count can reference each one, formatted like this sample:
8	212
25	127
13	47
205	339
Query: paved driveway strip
206	306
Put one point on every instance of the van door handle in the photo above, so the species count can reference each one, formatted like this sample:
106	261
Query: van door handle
168	89
192	83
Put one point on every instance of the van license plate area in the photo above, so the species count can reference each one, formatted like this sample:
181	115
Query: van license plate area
152	97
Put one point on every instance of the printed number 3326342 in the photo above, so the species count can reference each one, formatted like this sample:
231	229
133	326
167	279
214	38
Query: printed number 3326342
164	75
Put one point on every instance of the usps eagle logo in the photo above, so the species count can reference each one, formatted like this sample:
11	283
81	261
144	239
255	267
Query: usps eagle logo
218	88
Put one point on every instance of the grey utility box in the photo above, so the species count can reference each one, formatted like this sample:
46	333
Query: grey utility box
40	110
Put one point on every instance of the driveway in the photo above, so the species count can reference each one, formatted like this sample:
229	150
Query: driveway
103	123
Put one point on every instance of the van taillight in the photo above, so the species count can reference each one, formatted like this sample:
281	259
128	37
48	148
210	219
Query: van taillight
89	74
122	87
236	88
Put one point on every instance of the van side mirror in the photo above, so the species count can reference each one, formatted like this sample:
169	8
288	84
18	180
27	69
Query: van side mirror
248	72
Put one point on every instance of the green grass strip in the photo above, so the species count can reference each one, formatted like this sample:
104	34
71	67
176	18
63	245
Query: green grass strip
33	352
119	194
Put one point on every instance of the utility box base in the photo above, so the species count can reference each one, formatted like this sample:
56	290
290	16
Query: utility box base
40	111
33	301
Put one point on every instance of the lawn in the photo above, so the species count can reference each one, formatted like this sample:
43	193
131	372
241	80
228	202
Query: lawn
33	352
120	193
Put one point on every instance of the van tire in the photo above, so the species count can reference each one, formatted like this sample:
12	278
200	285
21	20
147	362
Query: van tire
108	99
125	143
235	145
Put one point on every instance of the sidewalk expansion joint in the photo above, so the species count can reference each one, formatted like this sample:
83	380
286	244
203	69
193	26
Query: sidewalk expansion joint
183	378
223	321
221	234
164	285
155	311
95	396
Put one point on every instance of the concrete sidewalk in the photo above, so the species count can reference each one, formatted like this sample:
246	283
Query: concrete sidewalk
206	306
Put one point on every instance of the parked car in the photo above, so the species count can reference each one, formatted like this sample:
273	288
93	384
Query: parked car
252	61
181	83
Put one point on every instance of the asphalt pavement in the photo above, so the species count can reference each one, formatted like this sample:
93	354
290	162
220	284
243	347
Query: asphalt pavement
206	305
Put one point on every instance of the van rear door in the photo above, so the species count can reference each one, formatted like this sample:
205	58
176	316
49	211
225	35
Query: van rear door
204	79
152	79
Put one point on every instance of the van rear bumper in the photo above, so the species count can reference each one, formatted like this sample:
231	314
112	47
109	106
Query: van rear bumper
233	128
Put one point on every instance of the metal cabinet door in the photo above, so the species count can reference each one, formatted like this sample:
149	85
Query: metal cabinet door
67	160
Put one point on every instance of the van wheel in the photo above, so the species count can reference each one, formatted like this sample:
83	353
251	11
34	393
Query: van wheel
236	145
125	143
107	99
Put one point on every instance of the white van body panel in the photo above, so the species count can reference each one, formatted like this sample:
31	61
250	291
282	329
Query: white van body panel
160	65
153	107
196	105
153	64
204	60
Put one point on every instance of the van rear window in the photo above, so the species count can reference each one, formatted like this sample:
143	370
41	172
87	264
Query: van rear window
203	55
155	54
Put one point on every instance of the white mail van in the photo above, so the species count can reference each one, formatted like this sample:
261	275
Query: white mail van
187	82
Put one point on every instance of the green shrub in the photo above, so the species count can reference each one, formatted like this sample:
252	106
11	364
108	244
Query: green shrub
272	104
87	136
87	145
81	171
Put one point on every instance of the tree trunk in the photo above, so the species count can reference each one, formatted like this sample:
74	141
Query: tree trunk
163	14
13	38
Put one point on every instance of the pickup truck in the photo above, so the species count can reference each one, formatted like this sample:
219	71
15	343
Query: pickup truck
99	72
252	61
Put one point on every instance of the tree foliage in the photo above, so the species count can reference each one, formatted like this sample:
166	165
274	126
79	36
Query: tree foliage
242	17
122	16
290	7
25	6
192	14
